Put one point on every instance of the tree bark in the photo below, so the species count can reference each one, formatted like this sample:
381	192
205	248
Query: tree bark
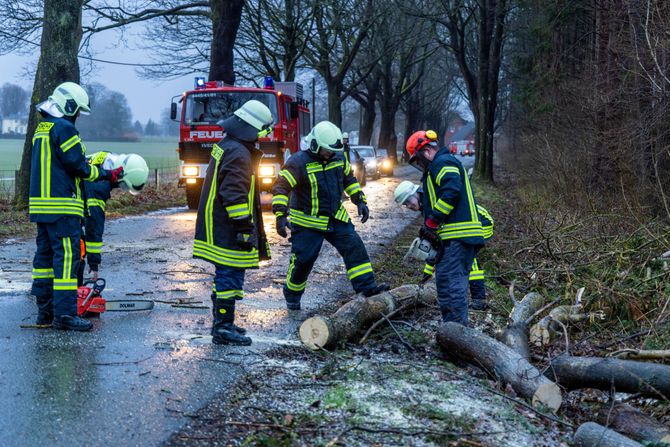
324	332
516	334
628	376
334	103
500	362
387	128
58	63
369	114
226	16
591	434
635	424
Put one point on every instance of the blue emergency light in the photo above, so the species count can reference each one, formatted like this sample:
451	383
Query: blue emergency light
199	82
268	82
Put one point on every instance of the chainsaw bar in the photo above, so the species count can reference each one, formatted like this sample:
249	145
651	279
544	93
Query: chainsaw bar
128	305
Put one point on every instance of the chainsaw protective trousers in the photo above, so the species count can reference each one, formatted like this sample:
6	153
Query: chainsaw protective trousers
451	278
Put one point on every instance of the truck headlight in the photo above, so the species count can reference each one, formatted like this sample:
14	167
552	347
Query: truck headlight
190	171
267	171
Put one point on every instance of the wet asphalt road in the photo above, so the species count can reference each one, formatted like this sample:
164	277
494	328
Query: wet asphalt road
137	376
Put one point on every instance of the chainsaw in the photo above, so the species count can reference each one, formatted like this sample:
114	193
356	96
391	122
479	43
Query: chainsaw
90	301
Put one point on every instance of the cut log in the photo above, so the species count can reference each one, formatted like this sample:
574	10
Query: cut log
591	434
324	332
501	362
635	424
627	376
516	334
548	327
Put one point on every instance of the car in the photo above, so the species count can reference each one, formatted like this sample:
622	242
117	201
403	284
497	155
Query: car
358	166
369	155
385	162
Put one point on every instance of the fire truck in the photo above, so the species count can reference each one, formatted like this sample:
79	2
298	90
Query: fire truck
211	101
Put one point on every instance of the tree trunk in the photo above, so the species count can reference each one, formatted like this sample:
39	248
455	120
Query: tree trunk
516	334
500	362
226	16
591	434
334	103
387	129
58	63
635	424
627	376
368	116
324	332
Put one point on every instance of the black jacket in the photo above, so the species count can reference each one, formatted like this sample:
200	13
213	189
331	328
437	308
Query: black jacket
230	195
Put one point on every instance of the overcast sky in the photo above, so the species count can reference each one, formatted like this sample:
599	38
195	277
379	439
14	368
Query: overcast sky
146	98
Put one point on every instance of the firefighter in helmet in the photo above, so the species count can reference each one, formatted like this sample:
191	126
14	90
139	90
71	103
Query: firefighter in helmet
229	228
410	195
451	223
315	180
98	192
58	169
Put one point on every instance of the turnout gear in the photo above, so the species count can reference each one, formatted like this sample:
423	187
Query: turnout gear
282	224
229	229
56	203
315	187
363	211
70	99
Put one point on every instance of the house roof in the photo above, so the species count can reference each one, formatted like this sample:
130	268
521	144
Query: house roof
463	132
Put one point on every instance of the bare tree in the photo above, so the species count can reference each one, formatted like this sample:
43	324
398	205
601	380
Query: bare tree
13	99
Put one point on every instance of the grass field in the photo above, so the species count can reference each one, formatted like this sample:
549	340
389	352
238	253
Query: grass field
159	153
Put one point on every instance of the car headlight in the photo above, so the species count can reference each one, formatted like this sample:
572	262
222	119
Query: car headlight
190	171
386	164
371	164
267	171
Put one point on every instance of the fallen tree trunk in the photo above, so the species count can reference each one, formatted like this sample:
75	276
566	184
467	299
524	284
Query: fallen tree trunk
635	424
591	434
323	332
501	362
516	334
628	376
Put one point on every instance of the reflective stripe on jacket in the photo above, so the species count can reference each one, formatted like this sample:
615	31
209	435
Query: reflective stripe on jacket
230	191
315	188
58	166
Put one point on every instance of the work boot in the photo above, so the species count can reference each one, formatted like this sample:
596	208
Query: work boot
71	323
379	288
480	305
240	330
45	311
227	333
292	299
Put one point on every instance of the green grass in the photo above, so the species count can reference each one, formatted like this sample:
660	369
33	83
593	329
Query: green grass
158	152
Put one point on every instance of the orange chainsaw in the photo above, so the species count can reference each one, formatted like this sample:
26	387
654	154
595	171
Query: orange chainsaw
90	301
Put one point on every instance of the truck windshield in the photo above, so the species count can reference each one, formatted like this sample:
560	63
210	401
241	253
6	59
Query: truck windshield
211	107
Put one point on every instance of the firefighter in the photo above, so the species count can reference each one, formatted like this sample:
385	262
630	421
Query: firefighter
410	195
58	169
315	180
229	227
450	223
135	174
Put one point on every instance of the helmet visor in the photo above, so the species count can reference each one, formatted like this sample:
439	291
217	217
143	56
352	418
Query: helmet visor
133	190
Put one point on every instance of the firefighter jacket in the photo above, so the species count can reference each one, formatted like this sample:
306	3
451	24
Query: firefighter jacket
57	170
97	194
315	187
230	192
448	199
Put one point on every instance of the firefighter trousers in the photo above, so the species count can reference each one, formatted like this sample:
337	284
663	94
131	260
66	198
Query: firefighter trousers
227	288
55	266
477	285
451	279
305	246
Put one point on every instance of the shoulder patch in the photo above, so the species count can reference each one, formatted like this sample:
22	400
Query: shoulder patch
217	152
98	158
44	126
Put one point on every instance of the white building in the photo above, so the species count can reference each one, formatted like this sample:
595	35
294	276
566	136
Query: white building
14	125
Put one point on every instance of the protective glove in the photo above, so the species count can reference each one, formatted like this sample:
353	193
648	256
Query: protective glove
429	232
282	225
243	230
244	241
116	174
363	211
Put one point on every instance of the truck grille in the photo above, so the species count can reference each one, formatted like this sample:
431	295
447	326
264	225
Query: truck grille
193	152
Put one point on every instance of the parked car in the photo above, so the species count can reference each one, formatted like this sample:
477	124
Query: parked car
370	157
385	163
358	166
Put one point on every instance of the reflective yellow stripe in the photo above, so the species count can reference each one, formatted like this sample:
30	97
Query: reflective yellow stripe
223	256
228	294
209	207
289	177
96	202
217	152
67	258
359	270
428	269
43	273
446	170
56	205
239	210
431	191
471	199
250	197
476	273
70	143
334	165
307	221
289	284
94	173
352	189
342	215
280	199
65	284
442	206
488	231
93	247
347	165
314	191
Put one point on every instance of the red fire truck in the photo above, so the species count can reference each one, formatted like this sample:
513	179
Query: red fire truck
209	102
